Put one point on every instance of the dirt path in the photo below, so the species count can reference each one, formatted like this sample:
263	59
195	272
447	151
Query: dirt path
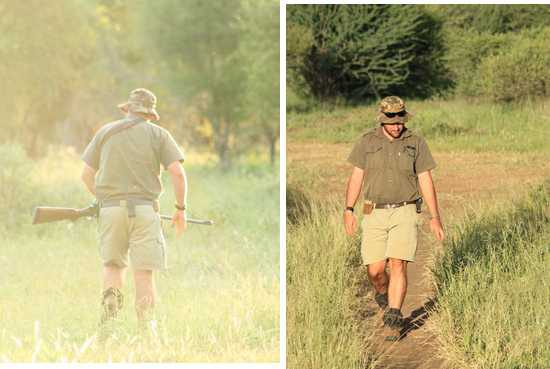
463	181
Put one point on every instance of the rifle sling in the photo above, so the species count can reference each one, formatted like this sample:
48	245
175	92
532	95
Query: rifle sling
119	127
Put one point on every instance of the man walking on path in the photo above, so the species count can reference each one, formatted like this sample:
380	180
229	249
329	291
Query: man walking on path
122	170
393	166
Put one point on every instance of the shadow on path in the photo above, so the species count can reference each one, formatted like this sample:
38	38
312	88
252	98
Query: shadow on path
418	317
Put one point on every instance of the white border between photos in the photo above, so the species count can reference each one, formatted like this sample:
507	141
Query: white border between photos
282	183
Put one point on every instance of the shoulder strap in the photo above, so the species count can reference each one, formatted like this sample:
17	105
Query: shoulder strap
117	128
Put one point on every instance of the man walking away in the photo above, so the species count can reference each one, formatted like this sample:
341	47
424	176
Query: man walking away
122	170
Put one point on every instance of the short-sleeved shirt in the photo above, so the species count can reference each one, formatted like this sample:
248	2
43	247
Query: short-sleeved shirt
128	163
391	167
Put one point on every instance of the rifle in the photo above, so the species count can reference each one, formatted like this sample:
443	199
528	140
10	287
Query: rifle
48	214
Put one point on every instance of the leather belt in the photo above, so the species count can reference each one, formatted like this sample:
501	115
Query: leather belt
130	204
391	206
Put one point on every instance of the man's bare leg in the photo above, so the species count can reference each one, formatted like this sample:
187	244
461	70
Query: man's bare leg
379	278
398	283
145	294
113	276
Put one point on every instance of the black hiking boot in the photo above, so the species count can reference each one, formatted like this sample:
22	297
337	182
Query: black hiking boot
393	324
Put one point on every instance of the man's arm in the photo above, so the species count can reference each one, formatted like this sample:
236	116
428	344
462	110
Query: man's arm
355	183
179	181
428	192
88	177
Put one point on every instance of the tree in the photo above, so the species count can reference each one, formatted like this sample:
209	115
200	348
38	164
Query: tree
198	42
364	51
261	49
45	57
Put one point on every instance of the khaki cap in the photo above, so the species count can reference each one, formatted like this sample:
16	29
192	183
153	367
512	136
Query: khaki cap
143	101
392	104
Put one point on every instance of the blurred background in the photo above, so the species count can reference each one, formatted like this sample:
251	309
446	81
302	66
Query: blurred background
214	66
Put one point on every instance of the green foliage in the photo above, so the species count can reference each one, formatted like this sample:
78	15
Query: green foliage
262	60
467	50
491	288
364	51
322	332
200	47
43	64
493	18
520	71
69	64
16	186
455	125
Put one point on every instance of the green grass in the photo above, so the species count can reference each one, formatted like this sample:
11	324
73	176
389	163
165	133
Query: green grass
493	289
219	299
456	125
322	332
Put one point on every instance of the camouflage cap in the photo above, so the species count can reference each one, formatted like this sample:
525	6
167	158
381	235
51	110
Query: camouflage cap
143	101
392	104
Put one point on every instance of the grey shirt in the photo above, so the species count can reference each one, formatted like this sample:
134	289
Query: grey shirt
128	163
391	167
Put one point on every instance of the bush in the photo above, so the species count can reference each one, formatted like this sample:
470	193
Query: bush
520	72
357	52
16	186
467	49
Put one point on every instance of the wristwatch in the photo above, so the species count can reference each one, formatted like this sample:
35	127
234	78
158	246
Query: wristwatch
179	207
350	208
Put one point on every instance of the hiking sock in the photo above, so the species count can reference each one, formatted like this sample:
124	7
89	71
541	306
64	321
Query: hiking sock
382	300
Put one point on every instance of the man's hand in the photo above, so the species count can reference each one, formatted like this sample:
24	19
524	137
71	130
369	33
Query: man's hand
179	221
437	229
350	222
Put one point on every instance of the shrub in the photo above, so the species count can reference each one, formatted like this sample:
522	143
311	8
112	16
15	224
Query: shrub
519	72
365	51
467	49
16	184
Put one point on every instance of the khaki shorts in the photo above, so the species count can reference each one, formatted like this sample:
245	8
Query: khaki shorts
138	239
390	233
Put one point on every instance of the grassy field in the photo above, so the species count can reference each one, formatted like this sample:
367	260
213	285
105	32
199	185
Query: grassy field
219	299
457	125
483	150
493	288
321	328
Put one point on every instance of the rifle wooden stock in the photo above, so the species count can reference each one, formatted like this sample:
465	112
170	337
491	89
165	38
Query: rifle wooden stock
48	214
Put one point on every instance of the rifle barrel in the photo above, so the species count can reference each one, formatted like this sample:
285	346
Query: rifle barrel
190	220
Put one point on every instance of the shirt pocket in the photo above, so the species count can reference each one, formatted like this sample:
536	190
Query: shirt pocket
374	158
407	157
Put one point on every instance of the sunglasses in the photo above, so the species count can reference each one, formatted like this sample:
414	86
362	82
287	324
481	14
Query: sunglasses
401	113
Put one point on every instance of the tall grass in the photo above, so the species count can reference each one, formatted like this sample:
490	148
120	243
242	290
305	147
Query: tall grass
322	332
458	125
219	299
493	289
